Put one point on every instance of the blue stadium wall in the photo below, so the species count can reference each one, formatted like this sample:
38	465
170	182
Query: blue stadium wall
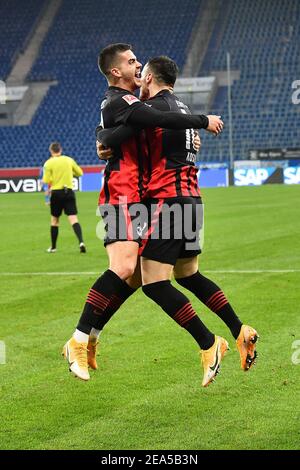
28	180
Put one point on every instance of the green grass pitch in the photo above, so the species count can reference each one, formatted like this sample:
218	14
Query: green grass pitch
147	392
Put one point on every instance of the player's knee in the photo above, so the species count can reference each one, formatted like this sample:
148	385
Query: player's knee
125	269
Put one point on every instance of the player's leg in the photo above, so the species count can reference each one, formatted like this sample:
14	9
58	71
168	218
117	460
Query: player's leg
123	263
186	273
158	259
116	301
107	293
188	276
157	286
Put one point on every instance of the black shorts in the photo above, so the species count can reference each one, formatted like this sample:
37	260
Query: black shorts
63	200
123	222
174	229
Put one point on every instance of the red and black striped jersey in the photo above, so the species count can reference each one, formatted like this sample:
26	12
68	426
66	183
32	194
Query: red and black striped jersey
125	174
171	166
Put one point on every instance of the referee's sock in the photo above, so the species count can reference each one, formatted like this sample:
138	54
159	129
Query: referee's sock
78	231
54	235
178	307
213	297
103	300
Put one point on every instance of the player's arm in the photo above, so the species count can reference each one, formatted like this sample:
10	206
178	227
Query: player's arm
77	171
114	136
146	116
131	111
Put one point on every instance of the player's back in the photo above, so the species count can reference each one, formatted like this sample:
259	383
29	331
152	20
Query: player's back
172	166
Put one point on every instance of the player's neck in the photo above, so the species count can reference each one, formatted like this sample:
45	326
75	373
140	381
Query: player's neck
122	84
154	89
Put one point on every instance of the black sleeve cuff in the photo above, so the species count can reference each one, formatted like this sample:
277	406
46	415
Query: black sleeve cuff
205	121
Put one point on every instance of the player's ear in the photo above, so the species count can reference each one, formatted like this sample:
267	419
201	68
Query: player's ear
149	78
115	72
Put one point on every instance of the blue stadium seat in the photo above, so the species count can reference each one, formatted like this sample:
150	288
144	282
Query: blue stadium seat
70	111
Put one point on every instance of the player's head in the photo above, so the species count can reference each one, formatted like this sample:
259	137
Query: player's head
161	70
55	148
119	65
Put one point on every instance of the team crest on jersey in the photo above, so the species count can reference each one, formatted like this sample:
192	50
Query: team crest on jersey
130	99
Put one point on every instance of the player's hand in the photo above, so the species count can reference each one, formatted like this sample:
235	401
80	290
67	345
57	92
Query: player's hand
215	124
196	141
102	152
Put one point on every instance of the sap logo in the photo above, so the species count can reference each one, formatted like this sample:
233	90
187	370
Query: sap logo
296	94
291	175
247	177
29	185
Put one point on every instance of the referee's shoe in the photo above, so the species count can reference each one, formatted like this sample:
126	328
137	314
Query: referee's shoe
82	248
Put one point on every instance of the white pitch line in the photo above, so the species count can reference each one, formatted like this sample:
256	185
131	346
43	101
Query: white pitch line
97	273
69	273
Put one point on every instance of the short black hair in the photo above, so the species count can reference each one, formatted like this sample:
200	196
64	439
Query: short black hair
108	54
55	147
164	69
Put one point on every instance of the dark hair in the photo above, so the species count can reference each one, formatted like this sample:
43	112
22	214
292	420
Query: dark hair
164	69
108	54
55	147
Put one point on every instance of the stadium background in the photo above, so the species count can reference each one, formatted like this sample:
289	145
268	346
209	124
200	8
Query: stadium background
50	90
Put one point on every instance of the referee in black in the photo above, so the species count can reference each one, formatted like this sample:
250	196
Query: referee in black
58	172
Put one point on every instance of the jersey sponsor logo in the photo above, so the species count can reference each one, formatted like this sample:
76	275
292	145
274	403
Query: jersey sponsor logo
130	99
291	175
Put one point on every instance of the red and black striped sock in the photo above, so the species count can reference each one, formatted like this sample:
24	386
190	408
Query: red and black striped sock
103	300
178	307
115	303
213	297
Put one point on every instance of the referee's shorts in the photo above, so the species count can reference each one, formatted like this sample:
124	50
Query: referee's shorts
63	200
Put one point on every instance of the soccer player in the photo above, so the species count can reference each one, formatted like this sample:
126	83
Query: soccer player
124	184
173	185
58	172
